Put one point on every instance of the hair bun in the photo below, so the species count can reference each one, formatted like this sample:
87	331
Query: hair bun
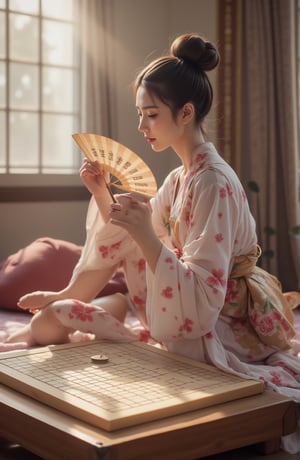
194	49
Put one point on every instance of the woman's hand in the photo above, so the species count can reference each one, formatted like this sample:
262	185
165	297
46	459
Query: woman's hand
134	215
94	178
96	181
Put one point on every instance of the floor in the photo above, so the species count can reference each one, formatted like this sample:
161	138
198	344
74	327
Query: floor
10	451
250	454
14	452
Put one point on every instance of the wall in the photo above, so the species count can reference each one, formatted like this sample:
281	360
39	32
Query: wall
142	31
150	35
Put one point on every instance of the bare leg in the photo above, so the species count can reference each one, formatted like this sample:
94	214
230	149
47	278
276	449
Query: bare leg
23	335
116	305
105	320
85	286
45	328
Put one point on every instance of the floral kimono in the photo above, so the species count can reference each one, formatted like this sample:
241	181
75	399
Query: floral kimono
207	299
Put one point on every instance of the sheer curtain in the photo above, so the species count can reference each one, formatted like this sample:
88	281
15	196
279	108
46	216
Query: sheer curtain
97	44
267	118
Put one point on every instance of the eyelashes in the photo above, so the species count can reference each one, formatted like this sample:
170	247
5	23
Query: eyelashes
150	115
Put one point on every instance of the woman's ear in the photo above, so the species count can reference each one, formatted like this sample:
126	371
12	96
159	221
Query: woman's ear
188	112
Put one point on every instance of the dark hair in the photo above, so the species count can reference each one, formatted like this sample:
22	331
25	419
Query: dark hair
180	77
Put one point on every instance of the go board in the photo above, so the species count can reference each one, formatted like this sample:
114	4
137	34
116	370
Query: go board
116	385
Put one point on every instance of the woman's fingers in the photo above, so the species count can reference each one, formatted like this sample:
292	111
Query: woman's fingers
90	167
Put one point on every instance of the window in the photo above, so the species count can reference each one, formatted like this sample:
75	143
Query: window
39	87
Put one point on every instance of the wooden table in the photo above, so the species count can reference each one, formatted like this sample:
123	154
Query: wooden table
260	419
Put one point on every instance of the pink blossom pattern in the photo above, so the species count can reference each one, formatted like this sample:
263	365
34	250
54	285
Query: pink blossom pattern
167	292
81	312
223	192
177	252
144	336
265	325
216	279
187	325
209	335
188	274
226	191
141	265
200	157
104	251
197	164
267	321
219	237
231	293
276	378
138	301
169	262
109	251
229	189
186	210
287	369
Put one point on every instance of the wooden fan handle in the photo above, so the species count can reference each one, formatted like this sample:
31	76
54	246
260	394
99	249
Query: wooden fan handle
110	192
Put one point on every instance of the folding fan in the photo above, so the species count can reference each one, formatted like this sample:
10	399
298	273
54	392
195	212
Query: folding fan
129	171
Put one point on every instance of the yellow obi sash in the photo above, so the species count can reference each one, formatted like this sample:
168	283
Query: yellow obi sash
255	298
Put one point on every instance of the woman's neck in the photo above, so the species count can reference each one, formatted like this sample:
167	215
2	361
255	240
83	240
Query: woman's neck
186	148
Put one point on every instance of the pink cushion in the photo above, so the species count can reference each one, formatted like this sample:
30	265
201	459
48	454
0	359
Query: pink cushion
45	264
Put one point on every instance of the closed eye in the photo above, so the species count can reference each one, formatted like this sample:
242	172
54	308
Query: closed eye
149	115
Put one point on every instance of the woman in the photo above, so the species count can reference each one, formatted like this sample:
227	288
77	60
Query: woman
189	256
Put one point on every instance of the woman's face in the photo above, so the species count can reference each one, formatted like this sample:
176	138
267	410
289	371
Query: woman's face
156	121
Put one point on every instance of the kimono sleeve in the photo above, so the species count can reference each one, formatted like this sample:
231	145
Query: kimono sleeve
106	245
186	294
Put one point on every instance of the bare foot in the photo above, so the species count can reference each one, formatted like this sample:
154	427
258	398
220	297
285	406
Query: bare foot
13	346
37	300
24	335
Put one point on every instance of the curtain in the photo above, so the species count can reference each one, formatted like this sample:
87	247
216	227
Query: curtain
97	44
229	81
267	120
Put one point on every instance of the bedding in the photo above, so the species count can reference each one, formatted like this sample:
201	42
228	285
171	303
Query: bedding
46	264
12	321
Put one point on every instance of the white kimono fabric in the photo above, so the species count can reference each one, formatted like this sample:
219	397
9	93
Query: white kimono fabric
197	301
